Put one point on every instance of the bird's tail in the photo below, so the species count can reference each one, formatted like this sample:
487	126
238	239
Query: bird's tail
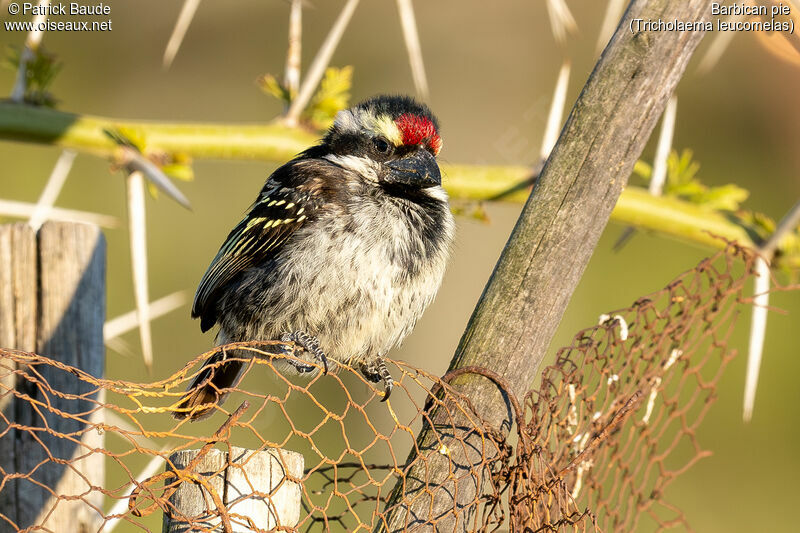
211	386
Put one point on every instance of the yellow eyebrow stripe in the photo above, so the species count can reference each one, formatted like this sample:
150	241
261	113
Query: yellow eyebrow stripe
386	126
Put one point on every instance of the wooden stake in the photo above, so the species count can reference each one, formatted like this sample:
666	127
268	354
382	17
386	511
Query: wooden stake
257	489
60	317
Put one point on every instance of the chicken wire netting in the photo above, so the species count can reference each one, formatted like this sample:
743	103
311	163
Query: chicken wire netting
595	445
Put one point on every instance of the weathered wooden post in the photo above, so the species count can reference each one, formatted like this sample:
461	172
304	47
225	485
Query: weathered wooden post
52	302
256	488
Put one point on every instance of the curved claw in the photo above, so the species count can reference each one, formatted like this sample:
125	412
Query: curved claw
301	368
310	344
387	389
376	371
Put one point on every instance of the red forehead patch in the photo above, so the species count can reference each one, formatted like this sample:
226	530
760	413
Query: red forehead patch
416	129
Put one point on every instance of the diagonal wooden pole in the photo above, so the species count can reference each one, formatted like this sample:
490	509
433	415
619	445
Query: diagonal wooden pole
524	300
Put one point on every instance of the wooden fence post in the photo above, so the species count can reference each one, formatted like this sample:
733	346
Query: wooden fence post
256	488
52	301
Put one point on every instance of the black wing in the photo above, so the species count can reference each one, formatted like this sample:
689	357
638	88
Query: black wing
285	204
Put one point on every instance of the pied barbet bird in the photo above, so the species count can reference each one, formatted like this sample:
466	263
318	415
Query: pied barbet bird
341	252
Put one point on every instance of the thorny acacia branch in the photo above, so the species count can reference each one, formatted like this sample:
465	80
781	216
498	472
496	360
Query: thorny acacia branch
277	142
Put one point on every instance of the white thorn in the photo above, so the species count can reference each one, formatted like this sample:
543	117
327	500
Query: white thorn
411	37
758	324
179	31
659	175
138	241
758	330
126	322
294	50
133	161
555	117
717	47
12	208
54	184
120	346
561	20
610	20
320	63
787	224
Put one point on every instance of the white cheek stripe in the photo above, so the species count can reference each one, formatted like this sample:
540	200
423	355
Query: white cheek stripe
362	166
437	193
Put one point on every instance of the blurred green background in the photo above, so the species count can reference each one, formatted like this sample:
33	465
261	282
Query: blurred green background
491	69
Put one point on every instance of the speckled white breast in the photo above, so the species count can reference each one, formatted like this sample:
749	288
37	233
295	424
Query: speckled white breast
357	282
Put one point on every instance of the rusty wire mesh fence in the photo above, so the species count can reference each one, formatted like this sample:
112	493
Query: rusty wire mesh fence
611	424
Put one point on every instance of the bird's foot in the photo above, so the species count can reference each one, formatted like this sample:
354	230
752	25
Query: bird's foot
310	344
375	371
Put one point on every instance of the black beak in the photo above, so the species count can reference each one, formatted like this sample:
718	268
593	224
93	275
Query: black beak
417	169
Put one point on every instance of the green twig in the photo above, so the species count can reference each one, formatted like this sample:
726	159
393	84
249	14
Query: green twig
276	142
271	142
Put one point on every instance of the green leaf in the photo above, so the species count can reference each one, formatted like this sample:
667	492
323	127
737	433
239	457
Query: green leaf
681	169
688	191
12	57
725	198
40	72
474	210
178	171
332	96
682	183
271	86
131	137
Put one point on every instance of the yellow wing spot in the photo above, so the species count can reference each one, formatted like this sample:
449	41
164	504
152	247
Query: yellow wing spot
300	211
302	218
254	222
289	205
280	203
271	203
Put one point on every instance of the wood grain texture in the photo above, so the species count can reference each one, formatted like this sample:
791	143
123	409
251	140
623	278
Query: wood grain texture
69	263
550	246
251	484
18	267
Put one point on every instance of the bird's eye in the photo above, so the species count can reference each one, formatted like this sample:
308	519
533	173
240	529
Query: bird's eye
381	145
